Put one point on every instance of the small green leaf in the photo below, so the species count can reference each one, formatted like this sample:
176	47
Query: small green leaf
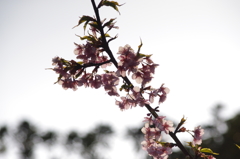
65	62
94	25
141	55
158	142
85	19
106	71
112	4
139	47
109	22
89	38
107	35
126	87
190	144
80	62
237	146
208	150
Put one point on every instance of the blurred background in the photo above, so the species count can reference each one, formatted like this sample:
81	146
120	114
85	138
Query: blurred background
196	44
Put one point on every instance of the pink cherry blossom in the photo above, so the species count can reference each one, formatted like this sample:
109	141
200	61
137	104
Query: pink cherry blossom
143	75
198	133
138	76
152	68
210	157
88	53
121	71
152	95
79	49
151	134
61	71
163	91
163	125
162	98
59	67
158	151
68	83
148	120
113	92
168	126
145	144
84	80
96	81
56	61
101	59
137	97
124	104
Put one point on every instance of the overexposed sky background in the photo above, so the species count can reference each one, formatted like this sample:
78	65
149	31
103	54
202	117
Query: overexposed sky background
196	43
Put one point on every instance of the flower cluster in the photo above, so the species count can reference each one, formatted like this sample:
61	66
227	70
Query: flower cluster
90	54
110	81
129	62
73	74
132	100
152	135
136	98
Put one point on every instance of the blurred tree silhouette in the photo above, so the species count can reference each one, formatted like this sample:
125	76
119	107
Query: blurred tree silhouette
224	142
3	132
26	137
87	144
136	135
49	137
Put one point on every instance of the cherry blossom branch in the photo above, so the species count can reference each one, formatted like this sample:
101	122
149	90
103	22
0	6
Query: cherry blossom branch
73	74
113	60
109	52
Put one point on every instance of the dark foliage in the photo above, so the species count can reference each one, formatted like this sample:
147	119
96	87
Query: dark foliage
26	137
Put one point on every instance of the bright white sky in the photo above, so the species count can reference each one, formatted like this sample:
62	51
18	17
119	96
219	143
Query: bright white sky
196	43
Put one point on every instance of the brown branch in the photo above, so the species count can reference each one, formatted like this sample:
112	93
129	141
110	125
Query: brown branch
179	144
